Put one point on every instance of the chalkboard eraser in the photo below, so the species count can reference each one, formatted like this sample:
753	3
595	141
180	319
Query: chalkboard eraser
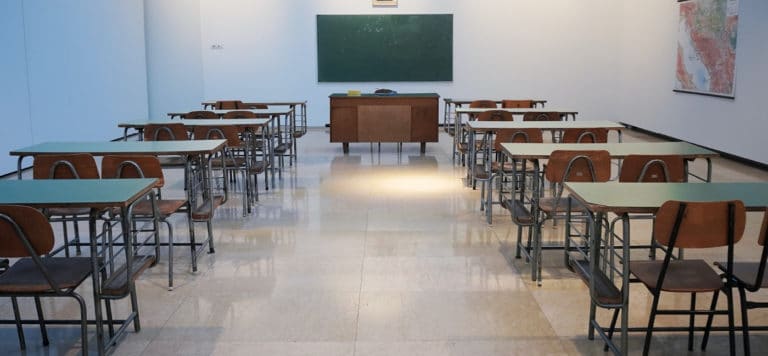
353	92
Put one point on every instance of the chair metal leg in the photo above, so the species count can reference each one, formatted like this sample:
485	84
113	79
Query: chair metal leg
110	318
612	328
691	318
66	237
170	254
209	224
731	323
19	328
135	308
712	306
83	322
744	319
651	321
41	320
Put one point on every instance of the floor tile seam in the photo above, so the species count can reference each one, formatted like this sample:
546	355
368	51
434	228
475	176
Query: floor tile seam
152	339
360	288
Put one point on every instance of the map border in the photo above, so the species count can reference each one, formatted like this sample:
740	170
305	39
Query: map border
732	95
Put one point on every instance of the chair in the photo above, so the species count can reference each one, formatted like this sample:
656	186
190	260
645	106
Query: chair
260	107
165	132
239	114
563	166
140	166
495	115
691	225
500	168
542	116
461	147
228	105
66	166
200	114
747	277
517	104
649	169
652	168
239	156
26	234
483	147
591	135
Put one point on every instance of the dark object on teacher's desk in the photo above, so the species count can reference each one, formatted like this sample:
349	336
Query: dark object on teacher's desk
385	92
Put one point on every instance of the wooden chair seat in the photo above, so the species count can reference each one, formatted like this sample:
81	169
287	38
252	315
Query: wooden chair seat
552	205
68	211
166	207
692	276
24	276
205	211
746	273
117	285
259	167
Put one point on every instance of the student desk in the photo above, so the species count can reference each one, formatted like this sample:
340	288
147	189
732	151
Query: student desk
198	153
624	198
248	126
531	151
450	106
487	127
285	123
473	112
299	114
96	194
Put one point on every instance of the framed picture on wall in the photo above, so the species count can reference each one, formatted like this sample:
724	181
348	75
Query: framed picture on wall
384	2
706	47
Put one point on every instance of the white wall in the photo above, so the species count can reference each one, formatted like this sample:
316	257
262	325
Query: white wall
81	64
610	60
14	92
174	56
648	49
502	49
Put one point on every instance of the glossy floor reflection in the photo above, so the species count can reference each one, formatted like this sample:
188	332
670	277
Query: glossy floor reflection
370	253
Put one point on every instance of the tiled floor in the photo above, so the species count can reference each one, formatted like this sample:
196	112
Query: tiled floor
371	253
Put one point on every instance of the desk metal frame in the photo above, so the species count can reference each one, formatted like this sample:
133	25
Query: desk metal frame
623	199
198	153
248	126
472	113
450	105
531	151
97	195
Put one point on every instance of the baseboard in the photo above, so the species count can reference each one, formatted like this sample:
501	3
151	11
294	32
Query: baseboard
726	155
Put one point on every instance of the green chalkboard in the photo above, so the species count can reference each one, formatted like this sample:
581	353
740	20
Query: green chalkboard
384	48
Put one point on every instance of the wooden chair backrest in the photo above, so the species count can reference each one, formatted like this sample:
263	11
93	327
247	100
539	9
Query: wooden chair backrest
542	116
228	133
200	114
165	132
132	166
517	104
228	105
578	166
650	168
517	136
482	104
591	135
701	224
18	222
495	115
65	166
239	114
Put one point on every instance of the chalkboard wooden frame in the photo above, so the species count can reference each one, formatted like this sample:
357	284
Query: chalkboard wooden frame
385	48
